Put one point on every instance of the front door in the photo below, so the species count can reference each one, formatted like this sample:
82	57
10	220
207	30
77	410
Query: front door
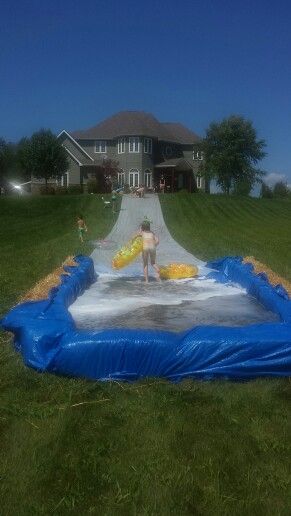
134	178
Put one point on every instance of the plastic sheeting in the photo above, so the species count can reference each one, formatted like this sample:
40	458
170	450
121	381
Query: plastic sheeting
46	335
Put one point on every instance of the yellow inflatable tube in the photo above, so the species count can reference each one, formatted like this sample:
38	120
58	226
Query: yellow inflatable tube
178	271
128	253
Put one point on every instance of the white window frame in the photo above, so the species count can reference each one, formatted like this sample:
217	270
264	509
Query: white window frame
148	146
63	177
148	173
121	178
133	172
199	181
133	144
197	155
121	146
99	145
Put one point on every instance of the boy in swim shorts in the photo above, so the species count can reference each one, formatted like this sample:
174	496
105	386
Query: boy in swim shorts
149	244
82	228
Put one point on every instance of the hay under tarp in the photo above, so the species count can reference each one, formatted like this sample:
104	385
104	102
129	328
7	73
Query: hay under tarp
42	288
273	278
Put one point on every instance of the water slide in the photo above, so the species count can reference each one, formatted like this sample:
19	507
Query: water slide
228	323
121	299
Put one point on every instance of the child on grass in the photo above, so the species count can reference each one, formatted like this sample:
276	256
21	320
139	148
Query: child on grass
82	228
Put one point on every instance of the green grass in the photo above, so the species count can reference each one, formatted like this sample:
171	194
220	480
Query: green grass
210	226
71	446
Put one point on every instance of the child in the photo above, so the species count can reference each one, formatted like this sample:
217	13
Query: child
149	244
82	228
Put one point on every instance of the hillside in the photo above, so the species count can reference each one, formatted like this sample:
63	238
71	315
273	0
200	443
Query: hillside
210	226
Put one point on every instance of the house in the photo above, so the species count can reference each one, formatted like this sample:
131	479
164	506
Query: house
144	148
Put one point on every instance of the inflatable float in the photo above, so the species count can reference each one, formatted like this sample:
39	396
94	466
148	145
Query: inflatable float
178	271
128	253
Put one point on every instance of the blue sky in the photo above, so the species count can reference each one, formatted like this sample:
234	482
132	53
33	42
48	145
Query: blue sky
70	64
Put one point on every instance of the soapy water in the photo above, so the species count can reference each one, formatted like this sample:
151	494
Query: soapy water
116	301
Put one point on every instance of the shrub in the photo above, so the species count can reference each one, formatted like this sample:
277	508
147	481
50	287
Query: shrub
92	186
47	190
266	191
61	190
280	189
75	189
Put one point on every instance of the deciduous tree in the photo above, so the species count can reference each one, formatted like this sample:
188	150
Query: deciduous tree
43	156
231	153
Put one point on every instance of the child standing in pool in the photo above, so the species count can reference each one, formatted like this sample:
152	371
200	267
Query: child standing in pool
149	244
82	228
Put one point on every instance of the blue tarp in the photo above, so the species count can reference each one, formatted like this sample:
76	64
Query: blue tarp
46	335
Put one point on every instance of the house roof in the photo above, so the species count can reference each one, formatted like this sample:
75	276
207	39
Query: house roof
177	163
137	123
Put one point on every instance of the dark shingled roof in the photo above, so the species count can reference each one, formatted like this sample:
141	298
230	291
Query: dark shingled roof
137	123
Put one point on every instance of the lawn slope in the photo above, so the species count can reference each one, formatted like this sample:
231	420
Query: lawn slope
210	226
68	446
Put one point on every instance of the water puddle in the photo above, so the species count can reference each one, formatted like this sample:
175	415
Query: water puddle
127	302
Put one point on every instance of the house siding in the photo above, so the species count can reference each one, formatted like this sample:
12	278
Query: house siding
127	161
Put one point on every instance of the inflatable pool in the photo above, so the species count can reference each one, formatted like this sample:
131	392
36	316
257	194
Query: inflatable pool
46	336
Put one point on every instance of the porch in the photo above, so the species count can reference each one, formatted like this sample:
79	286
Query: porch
178	175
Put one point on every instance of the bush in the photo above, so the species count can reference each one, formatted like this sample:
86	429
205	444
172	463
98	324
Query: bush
47	190
183	191
280	189
75	189
92	186
266	191
61	190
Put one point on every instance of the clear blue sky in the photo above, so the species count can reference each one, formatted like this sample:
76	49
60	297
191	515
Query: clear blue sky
70	64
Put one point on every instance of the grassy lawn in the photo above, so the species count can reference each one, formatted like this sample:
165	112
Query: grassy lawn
76	447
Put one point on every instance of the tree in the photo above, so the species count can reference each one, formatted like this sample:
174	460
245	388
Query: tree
280	189
6	161
106	175
231	151
266	191
43	156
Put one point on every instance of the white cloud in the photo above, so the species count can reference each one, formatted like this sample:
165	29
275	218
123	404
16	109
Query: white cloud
274	177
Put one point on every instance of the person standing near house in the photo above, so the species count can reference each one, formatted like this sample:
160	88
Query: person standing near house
82	228
162	184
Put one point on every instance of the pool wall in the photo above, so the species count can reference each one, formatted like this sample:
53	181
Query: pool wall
46	336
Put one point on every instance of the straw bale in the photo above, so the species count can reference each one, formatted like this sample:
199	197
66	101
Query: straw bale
273	278
42	288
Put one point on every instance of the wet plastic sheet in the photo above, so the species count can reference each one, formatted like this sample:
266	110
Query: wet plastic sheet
46	335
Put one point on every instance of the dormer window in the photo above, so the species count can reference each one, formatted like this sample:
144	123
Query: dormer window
121	145
100	146
148	146
197	155
133	144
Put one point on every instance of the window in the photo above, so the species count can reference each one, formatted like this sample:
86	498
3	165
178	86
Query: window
121	178
100	146
121	145
133	144
148	179
134	177
199	181
148	145
65	179
197	155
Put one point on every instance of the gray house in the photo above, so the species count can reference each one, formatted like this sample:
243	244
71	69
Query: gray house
144	148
